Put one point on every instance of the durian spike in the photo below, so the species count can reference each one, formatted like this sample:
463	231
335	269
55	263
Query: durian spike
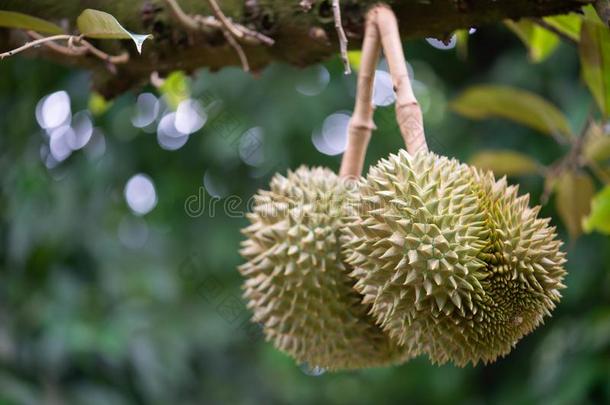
408	111
361	124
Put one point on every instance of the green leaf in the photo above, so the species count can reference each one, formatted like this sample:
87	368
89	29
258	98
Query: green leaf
11	19
517	105
505	162
98	24
175	88
599	219
539	41
602	7
595	60
354	58
590	13
462	43
568	24
596	147
98	105
573	200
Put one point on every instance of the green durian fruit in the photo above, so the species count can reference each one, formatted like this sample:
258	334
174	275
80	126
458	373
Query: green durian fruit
297	284
453	263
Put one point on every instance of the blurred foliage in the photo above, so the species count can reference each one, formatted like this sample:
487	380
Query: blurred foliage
505	163
517	105
540	42
599	219
12	19
175	88
99	305
589	148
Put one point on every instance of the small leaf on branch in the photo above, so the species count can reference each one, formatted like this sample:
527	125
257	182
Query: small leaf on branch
98	24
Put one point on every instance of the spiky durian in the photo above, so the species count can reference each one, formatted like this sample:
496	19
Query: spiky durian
296	281
453	263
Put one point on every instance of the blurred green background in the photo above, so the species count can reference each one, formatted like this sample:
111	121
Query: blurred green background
117	294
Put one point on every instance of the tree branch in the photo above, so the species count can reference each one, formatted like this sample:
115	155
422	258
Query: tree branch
194	40
77	46
35	43
341	35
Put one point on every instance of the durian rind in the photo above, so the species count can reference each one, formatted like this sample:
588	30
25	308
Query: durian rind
453	263
297	283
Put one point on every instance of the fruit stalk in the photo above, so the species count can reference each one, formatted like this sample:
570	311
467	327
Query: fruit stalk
381	29
408	112
361	124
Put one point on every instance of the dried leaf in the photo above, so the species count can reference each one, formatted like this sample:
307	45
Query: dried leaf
595	60
517	105
573	200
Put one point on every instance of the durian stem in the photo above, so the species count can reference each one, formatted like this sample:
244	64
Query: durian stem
361	124
408	111
381	29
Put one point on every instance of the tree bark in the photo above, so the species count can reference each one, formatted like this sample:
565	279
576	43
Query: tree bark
301	37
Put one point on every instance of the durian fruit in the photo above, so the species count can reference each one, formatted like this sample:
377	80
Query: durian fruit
296	281
453	263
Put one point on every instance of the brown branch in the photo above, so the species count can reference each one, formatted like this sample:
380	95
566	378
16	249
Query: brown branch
113	59
341	35
300	36
238	49
64	50
220	21
77	46
361	124
408	111
238	31
232	32
192	23
34	43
